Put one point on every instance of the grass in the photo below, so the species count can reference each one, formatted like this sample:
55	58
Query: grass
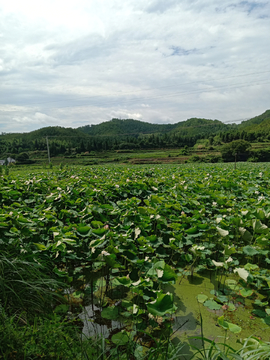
25	286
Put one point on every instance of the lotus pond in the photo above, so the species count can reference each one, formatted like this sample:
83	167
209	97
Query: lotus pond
149	252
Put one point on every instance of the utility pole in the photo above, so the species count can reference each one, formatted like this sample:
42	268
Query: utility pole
48	149
235	161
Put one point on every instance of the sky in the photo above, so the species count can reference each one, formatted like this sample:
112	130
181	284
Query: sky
74	63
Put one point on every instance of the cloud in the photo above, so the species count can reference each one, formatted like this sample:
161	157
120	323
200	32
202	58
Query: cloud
69	64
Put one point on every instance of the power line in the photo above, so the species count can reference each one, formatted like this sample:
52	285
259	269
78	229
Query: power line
157	88
111	102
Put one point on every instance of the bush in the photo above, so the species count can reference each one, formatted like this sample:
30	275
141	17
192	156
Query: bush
128	146
23	158
183	152
195	158
212	159
239	149
51	338
260	155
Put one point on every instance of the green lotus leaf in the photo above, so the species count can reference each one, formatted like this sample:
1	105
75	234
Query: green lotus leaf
159	265
229	250
260	313
139	353
266	320
23	220
260	214
122	281
231	307
69	241
202	298
99	231
258	227
246	235
203	226
229	326
162	305
97	224
121	338
131	255
111	261
234	328
212	304
249	267
110	313
221	299
3	224
246	292
168	274
41	247
83	229
192	230
249	250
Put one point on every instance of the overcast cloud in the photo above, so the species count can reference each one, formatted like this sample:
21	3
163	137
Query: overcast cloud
72	63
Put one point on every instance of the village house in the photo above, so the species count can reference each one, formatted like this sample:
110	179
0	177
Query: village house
9	160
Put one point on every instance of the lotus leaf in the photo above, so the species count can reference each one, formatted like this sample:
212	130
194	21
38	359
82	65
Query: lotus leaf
162	305
110	313
212	304
120	338
202	298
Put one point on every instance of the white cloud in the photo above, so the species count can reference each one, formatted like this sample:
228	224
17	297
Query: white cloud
73	63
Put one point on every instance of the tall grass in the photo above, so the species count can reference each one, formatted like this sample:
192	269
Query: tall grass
25	286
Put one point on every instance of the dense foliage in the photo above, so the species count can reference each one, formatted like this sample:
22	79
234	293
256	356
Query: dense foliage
120	134
117	236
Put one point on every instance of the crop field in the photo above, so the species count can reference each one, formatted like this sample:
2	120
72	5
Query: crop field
148	253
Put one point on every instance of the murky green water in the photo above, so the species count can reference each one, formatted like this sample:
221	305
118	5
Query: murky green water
187	321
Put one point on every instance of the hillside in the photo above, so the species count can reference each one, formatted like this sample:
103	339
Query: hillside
130	127
129	134
256	123
50	131
116	127
195	126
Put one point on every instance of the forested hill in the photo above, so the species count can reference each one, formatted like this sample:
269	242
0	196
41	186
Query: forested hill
132	134
50	131
256	123
130	127
195	126
117	127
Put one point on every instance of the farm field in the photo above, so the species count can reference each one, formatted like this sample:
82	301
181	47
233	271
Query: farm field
147	255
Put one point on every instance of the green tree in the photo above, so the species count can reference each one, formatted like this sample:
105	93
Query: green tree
238	149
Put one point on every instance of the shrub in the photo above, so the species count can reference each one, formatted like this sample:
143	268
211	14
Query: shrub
212	159
260	155
195	158
239	149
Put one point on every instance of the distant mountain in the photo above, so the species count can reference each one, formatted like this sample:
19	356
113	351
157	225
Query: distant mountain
117	127
130	127
50	131
56	131
195	126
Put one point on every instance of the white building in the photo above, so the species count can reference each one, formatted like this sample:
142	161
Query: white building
9	160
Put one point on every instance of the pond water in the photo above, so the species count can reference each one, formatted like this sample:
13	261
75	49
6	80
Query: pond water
95	325
187	320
